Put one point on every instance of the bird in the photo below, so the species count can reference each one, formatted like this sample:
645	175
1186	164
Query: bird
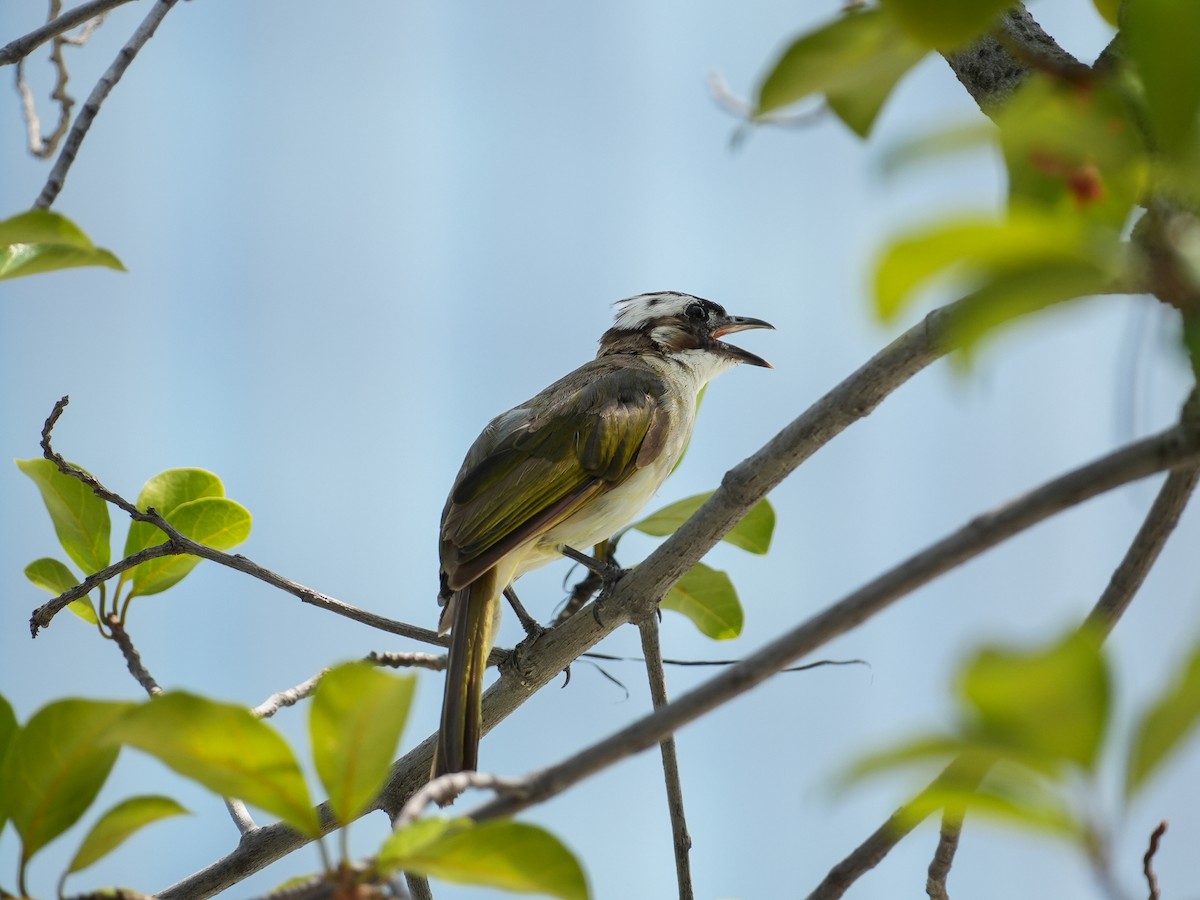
564	471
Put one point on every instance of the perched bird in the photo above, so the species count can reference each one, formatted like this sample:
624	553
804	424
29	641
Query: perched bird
569	468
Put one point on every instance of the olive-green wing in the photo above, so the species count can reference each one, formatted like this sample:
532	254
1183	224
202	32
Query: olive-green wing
529	472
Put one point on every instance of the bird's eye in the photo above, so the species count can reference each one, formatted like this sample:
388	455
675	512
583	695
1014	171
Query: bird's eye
695	311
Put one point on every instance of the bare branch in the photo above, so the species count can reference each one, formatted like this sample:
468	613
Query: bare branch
682	841
943	857
133	659
18	49
240	815
289	697
435	662
1148	859
100	92
1143	552
445	788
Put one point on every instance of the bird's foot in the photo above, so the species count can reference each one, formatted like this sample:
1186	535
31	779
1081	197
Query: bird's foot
607	570
533	628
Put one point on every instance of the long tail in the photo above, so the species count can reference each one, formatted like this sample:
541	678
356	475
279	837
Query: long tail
474	613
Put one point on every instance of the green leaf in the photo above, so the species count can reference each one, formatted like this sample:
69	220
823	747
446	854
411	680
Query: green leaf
708	598
226	749
855	61
166	492
80	517
1012	294
213	521
946	26
752	533
1051	702
1165	725
512	856
8	728
43	241
355	722
1030	807
1161	37
56	765
119	824
54	576
981	249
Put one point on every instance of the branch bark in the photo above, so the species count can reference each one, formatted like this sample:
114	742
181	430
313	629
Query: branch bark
18	49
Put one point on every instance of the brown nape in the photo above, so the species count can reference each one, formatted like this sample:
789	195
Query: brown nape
622	341
672	337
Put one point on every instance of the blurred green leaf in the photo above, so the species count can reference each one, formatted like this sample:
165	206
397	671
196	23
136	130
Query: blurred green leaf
213	521
355	722
1160	37
708	598
1165	725
226	749
1074	149
1007	268
1108	10
1019	292
54	576
752	533
855	61
512	856
119	824
1029	807
80	517
166	492
947	26
1052	702
43	241
56	765
8	728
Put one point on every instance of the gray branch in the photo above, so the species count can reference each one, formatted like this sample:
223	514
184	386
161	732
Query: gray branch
682	841
18	49
126	55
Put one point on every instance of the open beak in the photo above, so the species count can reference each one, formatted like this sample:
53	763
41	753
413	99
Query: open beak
730	324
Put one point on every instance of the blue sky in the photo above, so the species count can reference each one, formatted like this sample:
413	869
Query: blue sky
355	232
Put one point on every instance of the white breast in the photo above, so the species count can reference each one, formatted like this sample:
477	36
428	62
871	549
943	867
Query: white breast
609	513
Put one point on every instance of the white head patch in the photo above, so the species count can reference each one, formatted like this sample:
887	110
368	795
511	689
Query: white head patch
634	312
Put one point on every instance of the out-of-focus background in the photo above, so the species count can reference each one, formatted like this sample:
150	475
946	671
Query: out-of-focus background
356	231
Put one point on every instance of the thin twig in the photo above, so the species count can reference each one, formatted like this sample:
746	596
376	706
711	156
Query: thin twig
1148	859
240	815
18	49
435	662
681	839
1160	521
1169	449
943	857
818	664
100	92
445	788
133	659
289	697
